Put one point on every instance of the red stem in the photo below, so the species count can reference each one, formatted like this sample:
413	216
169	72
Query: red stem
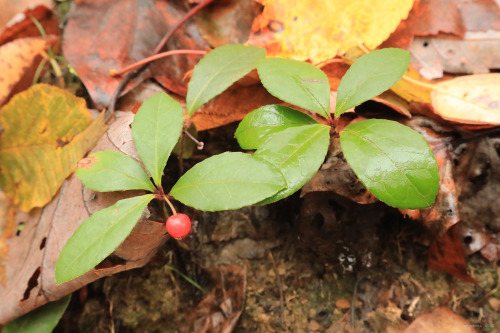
153	58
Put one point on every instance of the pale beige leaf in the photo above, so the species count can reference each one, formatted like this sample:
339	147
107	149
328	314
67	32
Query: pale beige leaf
472	99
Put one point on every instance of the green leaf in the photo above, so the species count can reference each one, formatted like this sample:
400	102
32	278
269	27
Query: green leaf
156	129
228	181
393	161
371	75
107	171
266	120
298	152
296	82
41	320
98	236
218	70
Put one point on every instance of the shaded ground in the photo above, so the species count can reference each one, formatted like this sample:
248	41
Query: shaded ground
316	264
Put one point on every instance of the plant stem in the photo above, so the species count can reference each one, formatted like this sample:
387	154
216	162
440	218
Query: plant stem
144	61
187	278
170	204
199	144
181	154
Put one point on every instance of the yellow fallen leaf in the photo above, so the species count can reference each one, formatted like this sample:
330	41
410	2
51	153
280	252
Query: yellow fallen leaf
18	62
470	99
322	29
46	132
413	87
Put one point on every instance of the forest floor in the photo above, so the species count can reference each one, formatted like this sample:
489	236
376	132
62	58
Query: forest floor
320	263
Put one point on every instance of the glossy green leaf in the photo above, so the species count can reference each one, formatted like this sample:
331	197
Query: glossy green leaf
371	75
228	181
393	161
107	171
269	119
41	320
218	70
155	130
98	236
296	82
298	152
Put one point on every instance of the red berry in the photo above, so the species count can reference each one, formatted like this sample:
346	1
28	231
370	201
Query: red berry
178	226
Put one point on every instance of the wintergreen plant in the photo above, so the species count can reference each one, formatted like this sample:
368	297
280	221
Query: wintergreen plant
393	161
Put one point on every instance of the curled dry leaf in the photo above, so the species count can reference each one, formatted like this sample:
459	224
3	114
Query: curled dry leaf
18	62
336	175
33	254
447	254
220	310
472	55
472	99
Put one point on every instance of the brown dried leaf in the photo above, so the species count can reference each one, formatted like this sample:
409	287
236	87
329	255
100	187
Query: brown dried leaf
220	310
130	33
228	22
447	255
336	175
24	25
232	105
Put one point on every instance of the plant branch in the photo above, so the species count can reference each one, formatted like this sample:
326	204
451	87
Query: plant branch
147	60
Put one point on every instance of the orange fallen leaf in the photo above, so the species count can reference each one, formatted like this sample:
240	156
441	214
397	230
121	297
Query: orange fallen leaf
24	25
440	319
18	62
11	8
470	99
320	30
447	255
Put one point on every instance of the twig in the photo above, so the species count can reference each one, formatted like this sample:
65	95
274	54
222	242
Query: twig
145	61
280	287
